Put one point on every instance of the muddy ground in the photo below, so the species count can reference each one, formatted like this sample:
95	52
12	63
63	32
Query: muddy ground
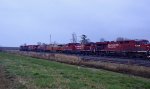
7	81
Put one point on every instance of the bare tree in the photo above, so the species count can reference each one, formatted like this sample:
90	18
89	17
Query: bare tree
84	39
74	38
43	44
120	39
24	44
102	40
39	43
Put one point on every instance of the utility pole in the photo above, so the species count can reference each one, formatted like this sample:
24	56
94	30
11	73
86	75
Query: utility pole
50	39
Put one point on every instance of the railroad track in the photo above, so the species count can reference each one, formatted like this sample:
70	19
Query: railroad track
135	61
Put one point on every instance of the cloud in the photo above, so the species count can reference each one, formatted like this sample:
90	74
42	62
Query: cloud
31	21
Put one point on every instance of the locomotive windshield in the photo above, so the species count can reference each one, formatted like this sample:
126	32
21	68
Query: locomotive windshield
142	42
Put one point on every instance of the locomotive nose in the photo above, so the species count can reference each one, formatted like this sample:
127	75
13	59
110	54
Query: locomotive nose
148	57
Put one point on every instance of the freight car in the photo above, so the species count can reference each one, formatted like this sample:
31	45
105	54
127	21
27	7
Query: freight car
127	48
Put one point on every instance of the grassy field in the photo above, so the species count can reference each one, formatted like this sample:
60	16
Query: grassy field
35	73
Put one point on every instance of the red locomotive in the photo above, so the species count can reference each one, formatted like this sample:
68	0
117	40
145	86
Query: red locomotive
129	48
126	48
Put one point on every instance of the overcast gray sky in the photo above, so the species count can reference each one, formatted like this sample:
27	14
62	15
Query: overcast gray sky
32	21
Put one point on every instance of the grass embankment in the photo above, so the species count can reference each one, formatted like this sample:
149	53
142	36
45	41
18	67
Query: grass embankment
42	74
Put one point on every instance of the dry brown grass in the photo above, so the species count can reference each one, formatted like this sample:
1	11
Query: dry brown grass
67	58
123	68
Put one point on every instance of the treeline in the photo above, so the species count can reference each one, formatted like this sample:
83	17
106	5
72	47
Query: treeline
9	48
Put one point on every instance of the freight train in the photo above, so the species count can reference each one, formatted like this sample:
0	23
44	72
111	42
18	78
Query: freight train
126	48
